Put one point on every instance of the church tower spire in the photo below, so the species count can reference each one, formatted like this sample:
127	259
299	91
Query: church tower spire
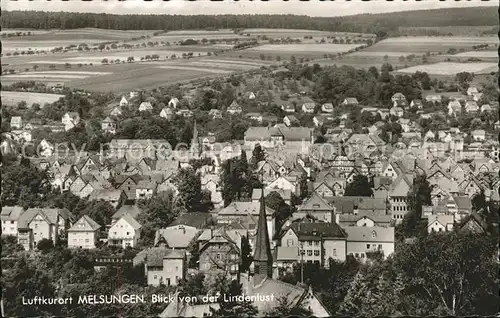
195	147
263	260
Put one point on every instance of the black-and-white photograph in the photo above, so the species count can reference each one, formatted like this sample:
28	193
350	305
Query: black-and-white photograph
250	158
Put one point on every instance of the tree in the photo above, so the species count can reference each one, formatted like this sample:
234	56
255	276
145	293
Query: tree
23	184
44	245
234	308
188	184
360	186
464	79
479	201
285	308
246	254
276	202
258	155
157	213
192	285
413	224
457	273
101	47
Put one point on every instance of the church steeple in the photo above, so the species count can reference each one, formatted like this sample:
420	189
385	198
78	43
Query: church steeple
263	260
195	147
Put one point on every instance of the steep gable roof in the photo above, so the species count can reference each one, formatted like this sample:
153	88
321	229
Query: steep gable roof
11	213
85	224
131	221
315	202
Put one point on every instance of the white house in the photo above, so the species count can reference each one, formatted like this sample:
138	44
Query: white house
361	241
70	120
350	101
454	107
472	90
117	111
327	108
397	111
291	120
46	148
166	113
478	135
440	223
123	102
173	102
145	106
84	233
125	232
16	122
108	125
10	215
471	106
288	108
308	108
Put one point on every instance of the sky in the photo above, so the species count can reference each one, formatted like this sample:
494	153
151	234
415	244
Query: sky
183	7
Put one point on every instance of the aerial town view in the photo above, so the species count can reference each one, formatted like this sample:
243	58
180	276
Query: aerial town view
250	159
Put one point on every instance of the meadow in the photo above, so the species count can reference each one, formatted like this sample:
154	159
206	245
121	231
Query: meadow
444	68
465	30
130	76
422	44
49	39
13	98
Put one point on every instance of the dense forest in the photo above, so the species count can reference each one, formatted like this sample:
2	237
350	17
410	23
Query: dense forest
365	23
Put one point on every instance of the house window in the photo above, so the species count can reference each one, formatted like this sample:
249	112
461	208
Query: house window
309	243
87	240
316	253
289	242
356	255
12	222
155	277
218	256
367	246
309	253
334	252
380	246
128	233
316	243
362	255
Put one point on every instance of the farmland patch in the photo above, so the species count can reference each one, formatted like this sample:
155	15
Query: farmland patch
13	98
422	44
305	48
444	68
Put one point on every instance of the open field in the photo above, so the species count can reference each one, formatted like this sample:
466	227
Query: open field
444	68
13	98
479	54
422	44
286	51
47	40
95	57
301	33
455	30
130	76
304	48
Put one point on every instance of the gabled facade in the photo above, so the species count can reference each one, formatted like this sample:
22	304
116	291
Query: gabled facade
125	232
84	233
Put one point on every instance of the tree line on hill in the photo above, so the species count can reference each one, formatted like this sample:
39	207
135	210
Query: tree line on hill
379	24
